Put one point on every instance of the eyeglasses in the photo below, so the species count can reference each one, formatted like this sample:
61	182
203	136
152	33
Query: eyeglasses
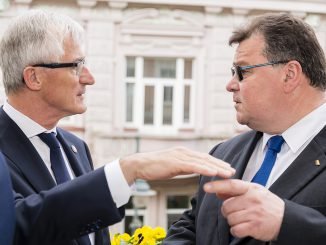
239	70
78	65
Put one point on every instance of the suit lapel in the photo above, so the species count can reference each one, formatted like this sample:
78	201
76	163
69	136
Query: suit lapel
239	162
242	158
74	157
303	169
28	161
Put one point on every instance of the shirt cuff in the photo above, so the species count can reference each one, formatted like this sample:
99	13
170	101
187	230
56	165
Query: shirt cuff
118	185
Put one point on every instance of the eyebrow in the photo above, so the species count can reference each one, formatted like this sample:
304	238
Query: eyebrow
241	64
79	59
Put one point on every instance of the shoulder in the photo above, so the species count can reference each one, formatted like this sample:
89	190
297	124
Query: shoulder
234	144
70	138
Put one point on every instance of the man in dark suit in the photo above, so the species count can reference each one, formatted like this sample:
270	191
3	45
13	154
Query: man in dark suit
278	84
42	60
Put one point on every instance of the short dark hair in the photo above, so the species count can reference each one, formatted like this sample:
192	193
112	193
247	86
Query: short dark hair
288	38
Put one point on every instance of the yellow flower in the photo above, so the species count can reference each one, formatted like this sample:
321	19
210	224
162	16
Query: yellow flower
159	233
125	237
142	236
116	239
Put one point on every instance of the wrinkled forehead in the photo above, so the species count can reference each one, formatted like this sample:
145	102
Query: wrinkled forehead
250	50
73	49
76	39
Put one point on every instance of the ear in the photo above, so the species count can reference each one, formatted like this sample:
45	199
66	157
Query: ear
31	79
292	76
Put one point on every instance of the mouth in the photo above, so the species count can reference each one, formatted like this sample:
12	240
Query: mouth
82	93
236	101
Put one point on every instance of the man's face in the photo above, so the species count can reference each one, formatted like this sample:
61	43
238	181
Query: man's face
63	90
258	96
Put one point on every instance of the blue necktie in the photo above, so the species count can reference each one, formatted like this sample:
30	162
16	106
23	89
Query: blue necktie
59	168
58	165
274	145
7	211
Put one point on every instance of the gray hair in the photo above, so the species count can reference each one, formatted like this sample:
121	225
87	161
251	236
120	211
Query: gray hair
35	37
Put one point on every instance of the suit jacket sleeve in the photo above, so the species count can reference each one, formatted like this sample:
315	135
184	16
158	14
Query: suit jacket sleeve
67	211
301	225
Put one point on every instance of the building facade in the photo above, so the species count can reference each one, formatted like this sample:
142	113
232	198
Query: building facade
161	68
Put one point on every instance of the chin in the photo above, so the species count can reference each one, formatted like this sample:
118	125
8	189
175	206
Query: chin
242	120
81	111
78	110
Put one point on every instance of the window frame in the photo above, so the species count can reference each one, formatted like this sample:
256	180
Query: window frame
178	85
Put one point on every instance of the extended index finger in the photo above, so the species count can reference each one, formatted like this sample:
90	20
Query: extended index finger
227	188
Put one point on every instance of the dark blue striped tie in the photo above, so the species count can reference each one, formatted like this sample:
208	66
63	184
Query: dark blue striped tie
58	165
59	168
274	145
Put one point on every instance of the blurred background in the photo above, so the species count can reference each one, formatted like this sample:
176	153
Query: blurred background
161	67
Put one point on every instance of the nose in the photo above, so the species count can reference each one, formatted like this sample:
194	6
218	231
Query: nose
232	85
86	77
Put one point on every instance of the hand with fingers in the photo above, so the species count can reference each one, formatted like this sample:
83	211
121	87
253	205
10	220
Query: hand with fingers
172	162
250	209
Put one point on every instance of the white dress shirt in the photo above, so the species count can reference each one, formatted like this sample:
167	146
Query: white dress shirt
118	185
297	137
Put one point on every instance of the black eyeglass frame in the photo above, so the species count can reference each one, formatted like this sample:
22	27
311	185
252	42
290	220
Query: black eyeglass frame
238	69
78	64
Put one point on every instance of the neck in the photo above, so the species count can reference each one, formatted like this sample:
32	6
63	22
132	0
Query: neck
34	109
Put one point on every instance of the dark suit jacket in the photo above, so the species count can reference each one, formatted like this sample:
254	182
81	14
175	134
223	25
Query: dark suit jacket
65	212
29	175
7	211
301	186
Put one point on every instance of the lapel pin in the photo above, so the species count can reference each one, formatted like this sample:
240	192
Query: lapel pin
73	148
317	163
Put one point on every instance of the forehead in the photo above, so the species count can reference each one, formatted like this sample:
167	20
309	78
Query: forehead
73	49
250	50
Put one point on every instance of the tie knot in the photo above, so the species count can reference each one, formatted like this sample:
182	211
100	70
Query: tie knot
50	139
275	143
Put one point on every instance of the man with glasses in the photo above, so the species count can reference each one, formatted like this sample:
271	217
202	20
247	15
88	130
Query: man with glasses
278	84
42	59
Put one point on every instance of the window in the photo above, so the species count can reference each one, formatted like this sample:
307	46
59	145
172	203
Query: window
159	93
176	205
159	68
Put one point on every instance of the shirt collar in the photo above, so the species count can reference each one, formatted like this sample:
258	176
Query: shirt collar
302	131
27	125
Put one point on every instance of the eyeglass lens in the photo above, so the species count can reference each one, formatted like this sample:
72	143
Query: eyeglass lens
237	70
80	66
